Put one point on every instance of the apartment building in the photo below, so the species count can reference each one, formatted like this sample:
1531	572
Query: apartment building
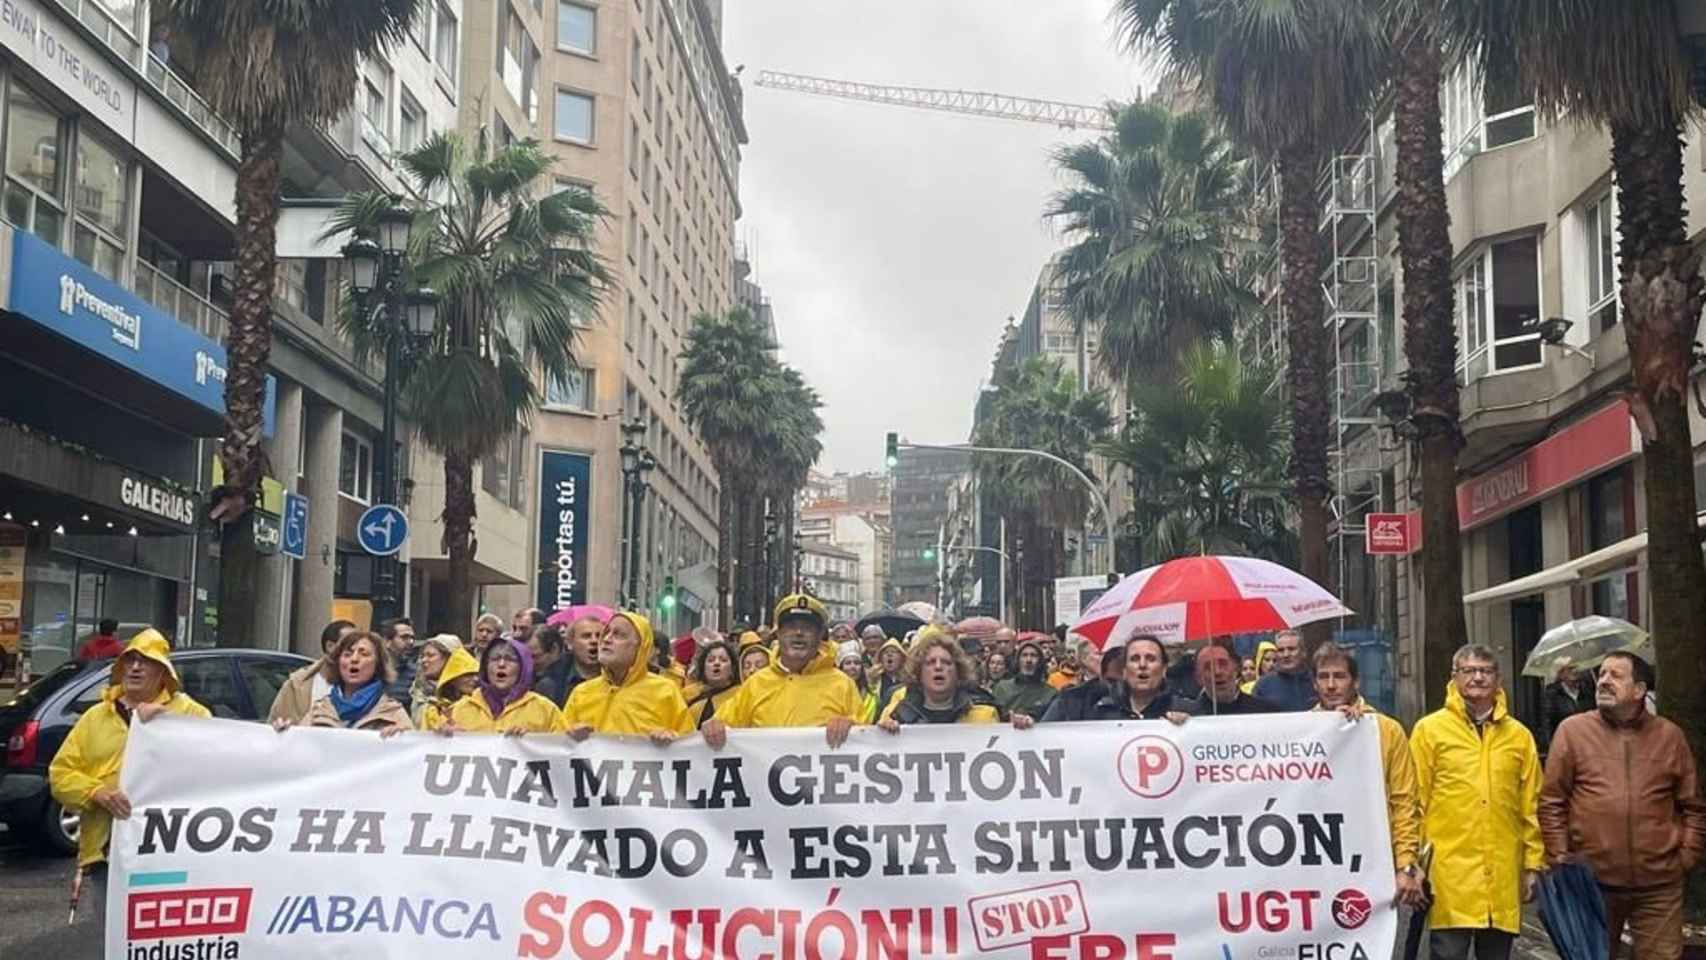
862	530
1550	489
115	270
634	101
832	575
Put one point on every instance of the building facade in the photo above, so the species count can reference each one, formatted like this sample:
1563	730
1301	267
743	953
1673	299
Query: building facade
918	507
864	533
635	103
832	575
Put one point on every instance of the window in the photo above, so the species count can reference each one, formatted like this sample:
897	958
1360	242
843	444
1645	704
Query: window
577	28
103	204
1481	116
575	392
1498	305
420	29
574	117
375	106
411	122
1610	518
631	322
635	63
444	41
1599	226
34	175
633	235
355	468
290	283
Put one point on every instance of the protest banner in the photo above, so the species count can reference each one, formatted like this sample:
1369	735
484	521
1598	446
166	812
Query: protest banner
1235	837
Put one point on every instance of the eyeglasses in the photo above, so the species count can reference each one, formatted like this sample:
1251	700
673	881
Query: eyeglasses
1477	671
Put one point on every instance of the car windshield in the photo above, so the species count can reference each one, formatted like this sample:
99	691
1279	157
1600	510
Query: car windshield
31	696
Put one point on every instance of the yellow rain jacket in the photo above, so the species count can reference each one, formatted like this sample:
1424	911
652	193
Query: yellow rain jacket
1478	793
1264	650
1399	768
641	703
437	711
530	712
93	751
775	697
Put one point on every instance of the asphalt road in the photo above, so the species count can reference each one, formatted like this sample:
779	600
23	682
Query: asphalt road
35	890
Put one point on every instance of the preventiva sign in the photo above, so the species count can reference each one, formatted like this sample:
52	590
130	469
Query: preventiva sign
97	314
565	481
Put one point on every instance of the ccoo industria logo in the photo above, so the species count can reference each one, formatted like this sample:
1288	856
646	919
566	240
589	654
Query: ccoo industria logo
183	923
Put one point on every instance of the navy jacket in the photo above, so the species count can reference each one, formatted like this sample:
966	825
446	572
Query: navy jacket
1288	692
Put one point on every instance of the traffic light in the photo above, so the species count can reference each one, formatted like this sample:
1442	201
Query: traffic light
929	553
893	457
667	601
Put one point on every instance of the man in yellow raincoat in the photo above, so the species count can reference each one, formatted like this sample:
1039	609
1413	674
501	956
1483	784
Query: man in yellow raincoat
626	697
802	686
1478	783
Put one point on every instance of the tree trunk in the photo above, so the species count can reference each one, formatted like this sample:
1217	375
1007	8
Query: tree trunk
764	560
755	556
1306	369
725	554
1430	348
743	562
459	543
1662	295
248	344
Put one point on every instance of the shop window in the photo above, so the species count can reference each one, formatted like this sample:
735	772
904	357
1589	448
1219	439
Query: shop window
35	181
1599	229
355	468
1610	519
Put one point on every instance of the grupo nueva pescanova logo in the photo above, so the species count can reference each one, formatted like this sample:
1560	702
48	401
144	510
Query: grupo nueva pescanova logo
127	326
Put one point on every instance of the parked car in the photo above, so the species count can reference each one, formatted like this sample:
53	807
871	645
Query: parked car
233	684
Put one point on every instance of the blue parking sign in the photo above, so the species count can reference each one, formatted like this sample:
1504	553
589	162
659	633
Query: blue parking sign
382	529
294	540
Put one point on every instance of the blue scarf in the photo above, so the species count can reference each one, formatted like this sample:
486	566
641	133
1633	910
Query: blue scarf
354	708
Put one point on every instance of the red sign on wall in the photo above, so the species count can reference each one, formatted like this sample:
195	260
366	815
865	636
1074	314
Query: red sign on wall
1603	438
1397	534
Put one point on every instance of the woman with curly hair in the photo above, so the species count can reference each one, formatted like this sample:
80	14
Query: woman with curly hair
941	686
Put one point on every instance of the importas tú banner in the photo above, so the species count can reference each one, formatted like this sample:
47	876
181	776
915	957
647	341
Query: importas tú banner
1235	837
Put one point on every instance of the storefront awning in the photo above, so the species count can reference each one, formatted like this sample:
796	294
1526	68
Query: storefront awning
1584	567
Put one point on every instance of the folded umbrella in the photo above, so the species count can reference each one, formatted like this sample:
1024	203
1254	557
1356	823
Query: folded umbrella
1573	913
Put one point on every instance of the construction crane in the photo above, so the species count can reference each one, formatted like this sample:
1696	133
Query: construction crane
1069	115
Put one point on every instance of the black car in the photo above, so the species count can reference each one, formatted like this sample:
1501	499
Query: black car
233	684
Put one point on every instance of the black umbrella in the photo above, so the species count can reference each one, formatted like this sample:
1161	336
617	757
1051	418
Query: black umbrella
1573	913
893	623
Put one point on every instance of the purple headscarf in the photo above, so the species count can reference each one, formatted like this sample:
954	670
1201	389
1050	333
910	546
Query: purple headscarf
498	700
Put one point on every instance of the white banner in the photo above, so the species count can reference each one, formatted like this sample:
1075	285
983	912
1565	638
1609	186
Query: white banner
1233	837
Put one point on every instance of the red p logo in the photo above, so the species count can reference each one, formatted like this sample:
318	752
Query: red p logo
1151	766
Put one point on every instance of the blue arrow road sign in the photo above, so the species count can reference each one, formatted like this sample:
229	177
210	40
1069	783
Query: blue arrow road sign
294	542
382	529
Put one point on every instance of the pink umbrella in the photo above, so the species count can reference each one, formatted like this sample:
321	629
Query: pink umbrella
979	627
597	611
1193	598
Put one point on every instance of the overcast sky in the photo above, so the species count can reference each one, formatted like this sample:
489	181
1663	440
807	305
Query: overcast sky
895	242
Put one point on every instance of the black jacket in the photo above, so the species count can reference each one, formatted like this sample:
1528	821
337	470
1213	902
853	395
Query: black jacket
554	682
1559	706
1115	704
1075	703
911	708
1242	704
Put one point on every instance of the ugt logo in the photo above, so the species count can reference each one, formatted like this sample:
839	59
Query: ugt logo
1151	766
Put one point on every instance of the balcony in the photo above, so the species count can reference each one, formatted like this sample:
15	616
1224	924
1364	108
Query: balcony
190	309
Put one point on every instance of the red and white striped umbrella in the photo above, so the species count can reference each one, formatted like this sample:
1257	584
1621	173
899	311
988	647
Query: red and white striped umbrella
1193	598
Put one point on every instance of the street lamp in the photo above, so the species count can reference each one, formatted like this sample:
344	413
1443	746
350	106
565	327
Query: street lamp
379	281
632	451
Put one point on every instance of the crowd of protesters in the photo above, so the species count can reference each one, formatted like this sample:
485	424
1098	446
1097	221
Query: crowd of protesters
1619	791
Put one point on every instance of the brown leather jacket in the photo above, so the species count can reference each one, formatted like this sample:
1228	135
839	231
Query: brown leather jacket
1625	798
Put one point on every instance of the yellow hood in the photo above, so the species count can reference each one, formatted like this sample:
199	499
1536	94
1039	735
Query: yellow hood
643	653
1264	650
151	644
460	664
1454	703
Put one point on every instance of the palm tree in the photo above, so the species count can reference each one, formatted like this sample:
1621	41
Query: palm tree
1036	405
1430	323
794	444
267	66
1153	210
1624	65
1207	457
1290	78
513	262
726	392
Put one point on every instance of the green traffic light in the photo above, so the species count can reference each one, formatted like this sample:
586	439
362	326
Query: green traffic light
668	601
893	450
929	554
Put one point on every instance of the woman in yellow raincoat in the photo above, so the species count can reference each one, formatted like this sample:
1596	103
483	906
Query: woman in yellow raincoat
1264	663
459	678
626	697
504	703
84	773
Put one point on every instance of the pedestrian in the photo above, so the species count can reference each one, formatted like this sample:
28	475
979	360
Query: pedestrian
486	629
713	679
1078	663
800	688
891	671
995	668
1141	692
1338	687
851	660
308	684
1477	783
1026	690
626	696
399	637
84	776
754	654
1262	665
103	643
583	627
551	663
459	678
1290	687
434	653
1563	698
1005	642
1622	794
1079	703
524	620
872	639
1217	675
358	671
505	702
1247	674
941	687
